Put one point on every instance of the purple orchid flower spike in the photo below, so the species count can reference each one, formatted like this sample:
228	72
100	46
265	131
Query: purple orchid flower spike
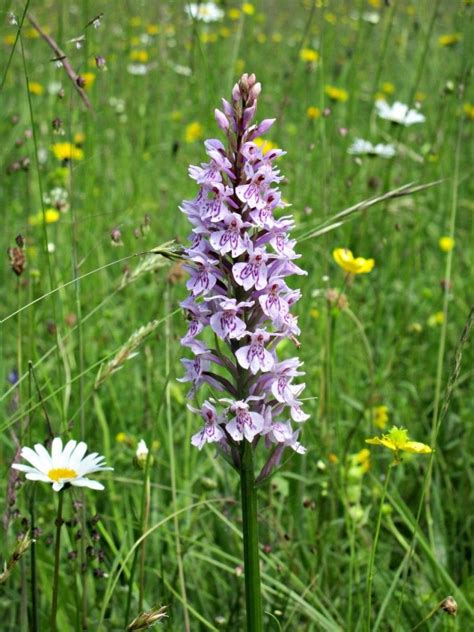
239	258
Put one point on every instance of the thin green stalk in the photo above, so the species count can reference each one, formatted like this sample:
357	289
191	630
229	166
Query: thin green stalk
253	591
169	419
370	570
57	551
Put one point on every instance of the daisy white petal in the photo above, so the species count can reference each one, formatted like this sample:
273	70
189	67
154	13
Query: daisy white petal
34	458
79	452
56	449
86	482
37	476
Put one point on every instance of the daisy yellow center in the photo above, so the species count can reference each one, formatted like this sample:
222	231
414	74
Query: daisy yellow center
60	473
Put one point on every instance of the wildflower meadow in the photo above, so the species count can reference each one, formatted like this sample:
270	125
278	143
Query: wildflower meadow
236	316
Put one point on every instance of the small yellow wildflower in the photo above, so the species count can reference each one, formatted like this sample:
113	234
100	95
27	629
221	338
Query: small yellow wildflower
193	132
152	29
331	18
388	87
135	20
51	216
140	56
9	40
468	110
35	88
309	55
336	94
32	33
248	8
333	458
234	13
314	312
208	38
415	328
354	265
135	41
313	112
379	416
176	115
436	319
375	3
265	145
446	243
79	138
398	441
67	151
449	39
123	437
224	32
89	78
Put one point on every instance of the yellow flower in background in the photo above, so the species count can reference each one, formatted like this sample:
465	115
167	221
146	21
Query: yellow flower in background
362	459
123	437
234	13
468	110
379	416
89	78
330	18
67	151
314	312
336	94
388	87
135	41
193	132
265	145
208	38
375	3
415	328
9	40
35	88
79	138
313	112
450	39
354	265
420	96
397	440
333	458
176	115
225	32
32	33
309	55
446	243
140	56
135	20
152	29
436	319
261	38
51	216
248	8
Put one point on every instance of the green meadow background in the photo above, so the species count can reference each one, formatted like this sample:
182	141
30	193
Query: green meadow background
396	341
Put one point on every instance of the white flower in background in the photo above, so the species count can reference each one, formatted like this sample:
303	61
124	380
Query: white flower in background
398	113
205	11
362	147
62	466
137	69
142	451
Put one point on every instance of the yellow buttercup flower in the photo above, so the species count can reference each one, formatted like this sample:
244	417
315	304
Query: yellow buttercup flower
140	56
153	29
397	440
248	8
380	416
265	145
51	215
436	319
9	40
388	87
67	151
362	460
309	55
313	112
450	39
354	265
89	78
79	138
234	14
35	88
193	132
468	110
336	94
446	243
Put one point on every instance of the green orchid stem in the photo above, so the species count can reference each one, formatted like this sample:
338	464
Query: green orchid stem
253	591
370	571
57	550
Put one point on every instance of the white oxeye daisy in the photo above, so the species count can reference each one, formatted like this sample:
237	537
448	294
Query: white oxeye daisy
362	147
398	113
62	466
